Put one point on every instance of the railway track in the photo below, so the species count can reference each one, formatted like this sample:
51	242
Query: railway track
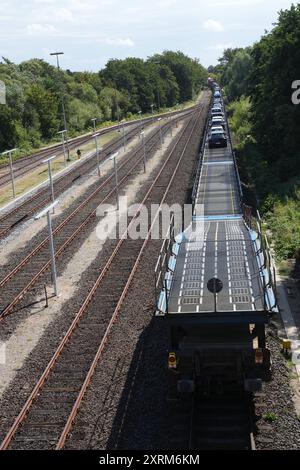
221	423
41	198
24	165
49	413
17	282
217	422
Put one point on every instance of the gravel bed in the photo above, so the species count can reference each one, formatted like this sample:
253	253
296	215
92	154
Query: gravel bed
64	175
21	312
34	365
278	426
16	395
126	407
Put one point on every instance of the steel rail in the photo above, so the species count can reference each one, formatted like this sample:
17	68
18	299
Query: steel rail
62	224
116	312
21	170
43	191
9	308
34	159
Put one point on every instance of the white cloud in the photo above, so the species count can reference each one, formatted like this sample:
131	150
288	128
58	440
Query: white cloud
220	46
240	3
37	28
91	30
213	26
166	3
45	1
67	11
64	14
120	42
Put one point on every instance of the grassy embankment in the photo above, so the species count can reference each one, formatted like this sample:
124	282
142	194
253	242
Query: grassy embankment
278	202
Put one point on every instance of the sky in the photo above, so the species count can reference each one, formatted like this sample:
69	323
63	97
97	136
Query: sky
90	32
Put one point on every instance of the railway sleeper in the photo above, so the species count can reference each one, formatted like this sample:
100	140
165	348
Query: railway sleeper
237	443
32	433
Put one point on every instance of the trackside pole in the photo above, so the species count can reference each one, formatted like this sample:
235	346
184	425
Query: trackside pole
12	174
52	254
48	161
47	211
12	177
114	158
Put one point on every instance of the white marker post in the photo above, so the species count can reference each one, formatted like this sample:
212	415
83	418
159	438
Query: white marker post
124	139
62	133
94	120
44	212
160	132
171	126
144	149
48	161
97	152
114	158
140	117
152	106
9	153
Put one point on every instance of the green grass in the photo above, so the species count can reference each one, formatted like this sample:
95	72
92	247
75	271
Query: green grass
40	174
270	417
284	268
278	201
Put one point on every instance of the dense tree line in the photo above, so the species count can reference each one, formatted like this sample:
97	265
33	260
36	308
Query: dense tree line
276	119
233	71
32	114
258	81
265	72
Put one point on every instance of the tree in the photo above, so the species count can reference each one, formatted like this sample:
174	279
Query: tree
236	74
35	89
189	73
8	131
40	111
240	116
276	64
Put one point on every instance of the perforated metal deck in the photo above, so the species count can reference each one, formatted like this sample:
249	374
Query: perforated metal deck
227	251
217	188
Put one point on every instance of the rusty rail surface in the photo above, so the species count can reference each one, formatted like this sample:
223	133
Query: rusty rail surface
10	307
84	308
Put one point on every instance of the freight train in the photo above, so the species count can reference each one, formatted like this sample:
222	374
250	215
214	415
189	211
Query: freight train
216	291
